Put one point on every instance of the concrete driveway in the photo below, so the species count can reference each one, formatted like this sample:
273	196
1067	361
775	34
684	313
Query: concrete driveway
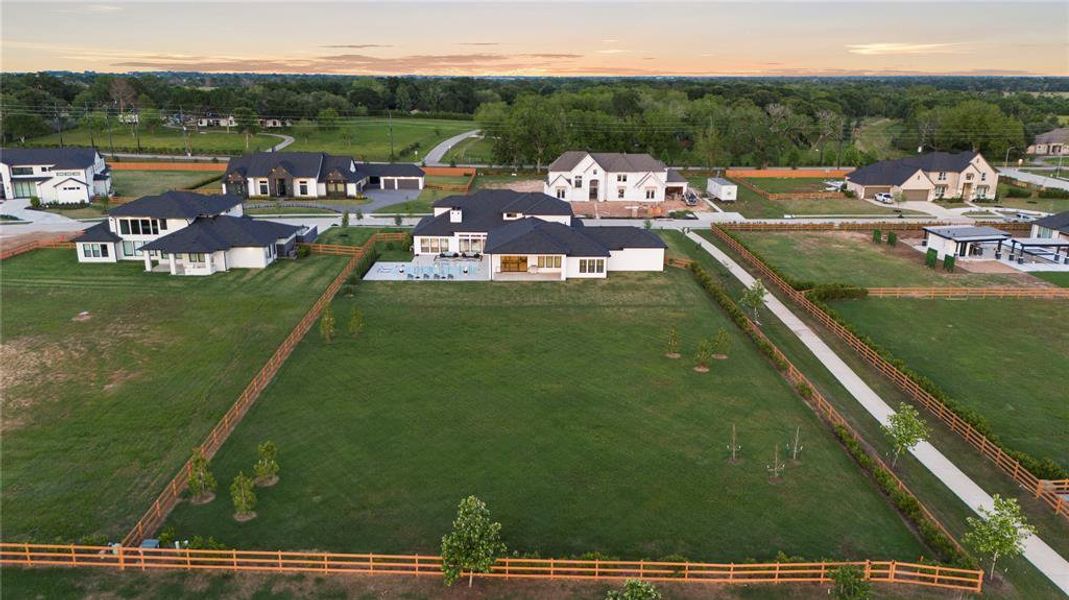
382	198
39	221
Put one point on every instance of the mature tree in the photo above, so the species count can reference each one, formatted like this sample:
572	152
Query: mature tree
977	125
473	545
248	122
356	322
999	532
327	119
327	324
266	467
201	481
906	429
122	93
243	496
20	126
150	119
754	297
709	146
635	589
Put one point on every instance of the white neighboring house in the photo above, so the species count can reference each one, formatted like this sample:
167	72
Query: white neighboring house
1053	227
272	123
532	236
186	234
578	176
213	120
293	175
1051	143
54	175
966	175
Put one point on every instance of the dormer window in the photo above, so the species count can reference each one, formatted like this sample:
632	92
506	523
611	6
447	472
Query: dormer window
942	175
512	216
621	178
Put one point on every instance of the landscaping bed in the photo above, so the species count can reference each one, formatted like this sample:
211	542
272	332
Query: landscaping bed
112	375
581	436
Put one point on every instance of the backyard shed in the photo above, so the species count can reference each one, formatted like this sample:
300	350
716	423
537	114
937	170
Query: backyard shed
722	189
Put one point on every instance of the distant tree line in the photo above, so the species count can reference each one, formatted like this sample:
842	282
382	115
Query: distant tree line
713	121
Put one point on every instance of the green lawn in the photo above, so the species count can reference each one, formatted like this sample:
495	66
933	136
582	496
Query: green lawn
755	206
421	204
875	136
99	414
368	138
827	257
93	211
164	141
282	209
1003	358
785	185
1060	279
135	184
554	403
352	236
475	150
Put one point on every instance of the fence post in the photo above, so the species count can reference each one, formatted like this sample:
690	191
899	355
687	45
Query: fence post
279	560
868	569
891	572
597	567
27	549
371	561
74	556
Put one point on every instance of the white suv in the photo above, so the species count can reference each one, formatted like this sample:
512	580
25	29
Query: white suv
885	198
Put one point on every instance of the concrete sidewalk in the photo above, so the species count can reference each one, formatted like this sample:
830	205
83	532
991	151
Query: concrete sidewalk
1041	555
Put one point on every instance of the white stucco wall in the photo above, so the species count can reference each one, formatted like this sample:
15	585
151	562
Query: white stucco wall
636	259
249	258
572	269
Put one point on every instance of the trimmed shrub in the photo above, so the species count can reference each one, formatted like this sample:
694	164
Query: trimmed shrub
1053	193
931	258
877	236
948	263
892	239
1016	192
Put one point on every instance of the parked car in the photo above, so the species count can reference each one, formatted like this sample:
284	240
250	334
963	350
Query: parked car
885	198
834	185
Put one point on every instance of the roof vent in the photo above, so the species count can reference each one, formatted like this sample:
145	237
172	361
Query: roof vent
455	215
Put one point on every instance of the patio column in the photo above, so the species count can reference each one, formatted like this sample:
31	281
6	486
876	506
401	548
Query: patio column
174	266
148	262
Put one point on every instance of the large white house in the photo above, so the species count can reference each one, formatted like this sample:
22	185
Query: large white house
532	236
966	175
186	233
313	175
578	176
54	175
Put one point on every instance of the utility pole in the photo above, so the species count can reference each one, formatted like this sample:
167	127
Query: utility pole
59	124
389	120
107	123
89	124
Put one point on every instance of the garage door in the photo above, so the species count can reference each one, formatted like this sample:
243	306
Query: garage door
408	183
872	190
921	195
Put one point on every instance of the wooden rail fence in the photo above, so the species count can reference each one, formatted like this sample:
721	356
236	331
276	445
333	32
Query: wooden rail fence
162	506
996	292
122	558
986	447
1023	228
62	240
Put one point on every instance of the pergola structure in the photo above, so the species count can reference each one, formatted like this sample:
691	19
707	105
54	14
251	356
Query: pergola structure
963	240
1045	248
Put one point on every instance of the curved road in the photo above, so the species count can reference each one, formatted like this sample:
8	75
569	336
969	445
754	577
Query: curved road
435	156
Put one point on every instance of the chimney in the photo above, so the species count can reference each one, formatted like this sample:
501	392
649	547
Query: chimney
454	215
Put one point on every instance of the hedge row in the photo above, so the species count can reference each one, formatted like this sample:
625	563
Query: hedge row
1053	193
907	504
1044	468
904	502
836	291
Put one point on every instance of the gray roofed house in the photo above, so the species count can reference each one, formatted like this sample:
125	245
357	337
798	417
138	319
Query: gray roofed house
57	158
54	175
535	236
932	176
212	234
98	233
1054	142
176	204
1047	226
579	176
293	175
393	176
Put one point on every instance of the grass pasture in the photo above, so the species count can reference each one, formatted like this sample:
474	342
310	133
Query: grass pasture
368	138
787	185
164	140
134	184
1001	357
100	412
471	151
554	403
851	257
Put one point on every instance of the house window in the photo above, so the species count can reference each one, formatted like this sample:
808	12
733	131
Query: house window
548	262
651	193
131	248
621	178
139	226
578	181
620	192
263	188
303	187
429	245
968	177
21	171
561	193
196	258
592	265
471	243
940	191
983	176
24	189
981	191
95	250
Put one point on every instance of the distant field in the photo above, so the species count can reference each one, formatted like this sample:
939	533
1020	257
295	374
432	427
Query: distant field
368	138
476	150
164	141
135	184
875	137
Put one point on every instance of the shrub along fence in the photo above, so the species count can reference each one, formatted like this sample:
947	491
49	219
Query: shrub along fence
903	225
1043	293
921	390
360	261
890	572
935	534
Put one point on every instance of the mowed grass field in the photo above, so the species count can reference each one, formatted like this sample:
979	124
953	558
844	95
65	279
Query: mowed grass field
472	151
1004	358
752	205
368	138
851	257
134	184
786	185
554	403
99	413
164	140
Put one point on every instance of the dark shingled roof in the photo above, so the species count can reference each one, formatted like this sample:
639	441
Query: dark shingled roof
675	176
611	162
297	164
618	238
1054	136
176	205
1058	222
896	172
966	232
390	169
535	236
98	233
210	234
59	158
484	211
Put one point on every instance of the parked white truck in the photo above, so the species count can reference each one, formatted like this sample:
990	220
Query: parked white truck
722	189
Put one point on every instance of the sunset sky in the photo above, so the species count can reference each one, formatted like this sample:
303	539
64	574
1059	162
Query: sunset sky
540	38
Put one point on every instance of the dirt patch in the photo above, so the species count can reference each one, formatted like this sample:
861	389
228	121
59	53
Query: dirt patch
117	378
520	185
202	499
244	517
82	316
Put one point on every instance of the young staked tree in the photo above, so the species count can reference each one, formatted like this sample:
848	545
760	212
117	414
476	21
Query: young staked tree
266	467
702	356
671	343
776	468
795	447
243	496
201	481
327	325
734	446
999	532
754	297
721	344
635	589
906	429
356	322
345	219
850	584
473	545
